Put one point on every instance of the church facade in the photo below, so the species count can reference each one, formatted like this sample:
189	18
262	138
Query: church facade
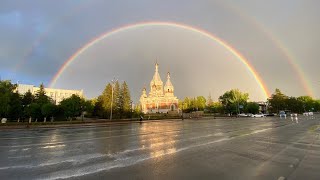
161	98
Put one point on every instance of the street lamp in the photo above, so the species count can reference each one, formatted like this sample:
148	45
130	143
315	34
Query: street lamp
112	89
131	109
182	111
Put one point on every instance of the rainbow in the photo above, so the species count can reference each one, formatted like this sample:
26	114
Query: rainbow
302	77
107	34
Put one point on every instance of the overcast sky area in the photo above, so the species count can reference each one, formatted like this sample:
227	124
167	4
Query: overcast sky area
280	39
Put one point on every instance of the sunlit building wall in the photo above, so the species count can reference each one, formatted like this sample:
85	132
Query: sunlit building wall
57	95
161	98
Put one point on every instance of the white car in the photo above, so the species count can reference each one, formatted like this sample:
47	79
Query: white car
242	115
257	115
294	115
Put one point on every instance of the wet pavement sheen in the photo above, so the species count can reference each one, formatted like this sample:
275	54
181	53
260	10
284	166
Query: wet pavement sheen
239	148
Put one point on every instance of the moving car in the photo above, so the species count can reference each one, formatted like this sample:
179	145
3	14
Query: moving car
257	115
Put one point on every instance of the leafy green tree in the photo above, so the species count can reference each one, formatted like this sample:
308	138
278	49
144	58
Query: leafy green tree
98	109
72	106
231	100
137	111
252	107
216	107
89	107
6	91
307	103
200	103
48	110
27	98
116	99
103	106
34	111
40	97
124	100
16	108
294	105
317	105
277	101
185	104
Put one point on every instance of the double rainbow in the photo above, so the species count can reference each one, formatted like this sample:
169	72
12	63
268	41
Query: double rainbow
202	32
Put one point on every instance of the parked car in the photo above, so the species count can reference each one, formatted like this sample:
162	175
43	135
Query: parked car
282	114
257	115
294	115
242	115
270	114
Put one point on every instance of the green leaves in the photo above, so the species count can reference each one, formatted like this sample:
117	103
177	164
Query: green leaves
232	99
121	105
72	106
279	102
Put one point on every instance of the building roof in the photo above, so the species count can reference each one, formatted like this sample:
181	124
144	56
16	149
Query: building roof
156	80
168	83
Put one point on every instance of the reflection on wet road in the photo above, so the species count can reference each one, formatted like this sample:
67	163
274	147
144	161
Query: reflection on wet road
245	148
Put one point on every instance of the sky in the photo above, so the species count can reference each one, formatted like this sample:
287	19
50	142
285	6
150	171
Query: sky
278	38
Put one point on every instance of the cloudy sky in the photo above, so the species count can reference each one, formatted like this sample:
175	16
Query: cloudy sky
278	38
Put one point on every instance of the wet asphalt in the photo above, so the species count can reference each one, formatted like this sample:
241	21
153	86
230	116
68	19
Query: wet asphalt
239	148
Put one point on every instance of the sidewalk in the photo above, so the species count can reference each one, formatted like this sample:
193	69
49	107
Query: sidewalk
70	124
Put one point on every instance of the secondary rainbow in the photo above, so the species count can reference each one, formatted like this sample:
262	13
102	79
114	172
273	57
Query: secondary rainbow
221	42
289	57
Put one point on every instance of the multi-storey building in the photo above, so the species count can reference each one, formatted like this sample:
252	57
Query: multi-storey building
57	95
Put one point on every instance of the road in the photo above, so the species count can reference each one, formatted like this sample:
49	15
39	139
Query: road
240	148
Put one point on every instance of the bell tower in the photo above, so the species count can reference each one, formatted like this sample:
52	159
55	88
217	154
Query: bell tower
168	88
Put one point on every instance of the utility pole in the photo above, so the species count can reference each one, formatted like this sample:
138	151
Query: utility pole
112	89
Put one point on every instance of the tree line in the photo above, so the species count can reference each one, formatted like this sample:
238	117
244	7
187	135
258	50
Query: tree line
39	107
281	102
231	102
235	102
118	96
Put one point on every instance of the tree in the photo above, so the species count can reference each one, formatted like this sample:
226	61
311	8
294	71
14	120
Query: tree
307	103
252	108
15	106
105	98
34	111
277	101
231	100
98	109
28	98
72	106
116	99
216	107
294	105
6	90
124	100
200	103
48	110
89	107
40	97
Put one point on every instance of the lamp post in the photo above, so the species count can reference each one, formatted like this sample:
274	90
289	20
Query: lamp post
131	109
112	89
182	111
